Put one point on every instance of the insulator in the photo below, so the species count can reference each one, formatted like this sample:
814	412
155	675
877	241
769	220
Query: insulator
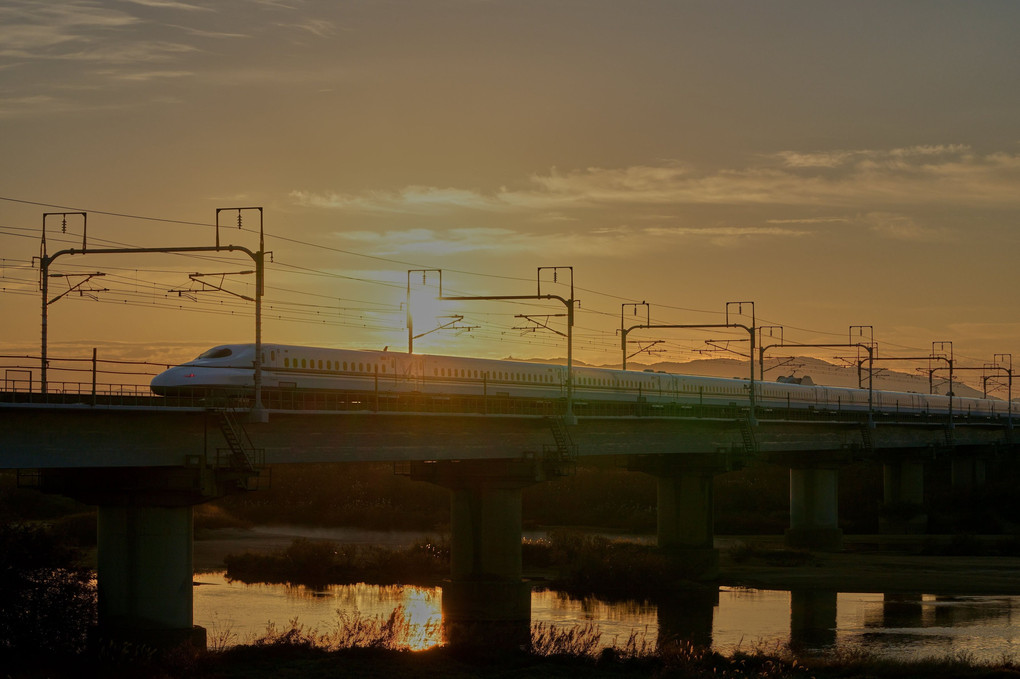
239	219
554	275
63	226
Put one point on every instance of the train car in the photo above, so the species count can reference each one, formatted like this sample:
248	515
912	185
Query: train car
229	369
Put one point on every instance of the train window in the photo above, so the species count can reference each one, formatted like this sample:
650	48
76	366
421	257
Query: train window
329	365
320	364
361	367
272	355
219	352
304	363
384	368
345	365
286	363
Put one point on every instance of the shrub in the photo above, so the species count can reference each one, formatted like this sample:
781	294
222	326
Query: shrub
47	601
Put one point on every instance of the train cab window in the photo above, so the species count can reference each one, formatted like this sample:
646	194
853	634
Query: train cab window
219	352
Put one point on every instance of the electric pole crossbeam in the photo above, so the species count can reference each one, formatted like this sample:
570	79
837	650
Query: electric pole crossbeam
568	416
867	347
750	330
45	261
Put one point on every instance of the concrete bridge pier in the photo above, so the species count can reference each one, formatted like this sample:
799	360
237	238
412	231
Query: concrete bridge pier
685	517
145	573
968	470
903	497
814	507
486	604
812	619
686	618
145	566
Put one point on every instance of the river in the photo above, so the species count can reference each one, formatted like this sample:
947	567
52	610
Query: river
896	626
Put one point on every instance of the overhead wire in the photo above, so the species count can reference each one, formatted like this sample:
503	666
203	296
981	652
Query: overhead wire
7	231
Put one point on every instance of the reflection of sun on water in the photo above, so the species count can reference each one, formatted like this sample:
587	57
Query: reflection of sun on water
422	618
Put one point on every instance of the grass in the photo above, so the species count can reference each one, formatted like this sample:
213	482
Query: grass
359	647
747	553
318	563
575	563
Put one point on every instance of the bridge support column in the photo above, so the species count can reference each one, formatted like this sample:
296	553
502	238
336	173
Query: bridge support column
967	471
903	498
145	552
486	604
814	508
812	619
145	574
685	519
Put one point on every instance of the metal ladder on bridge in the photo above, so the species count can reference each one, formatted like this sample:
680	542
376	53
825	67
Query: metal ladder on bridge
244	456
747	434
866	439
564	450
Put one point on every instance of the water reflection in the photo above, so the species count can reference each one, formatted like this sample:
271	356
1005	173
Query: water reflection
905	626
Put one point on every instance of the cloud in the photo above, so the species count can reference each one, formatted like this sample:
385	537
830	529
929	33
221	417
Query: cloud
410	200
170	4
904	228
840	158
916	177
810	220
320	28
142	76
601	242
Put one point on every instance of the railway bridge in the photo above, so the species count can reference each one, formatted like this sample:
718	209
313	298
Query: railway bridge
147	461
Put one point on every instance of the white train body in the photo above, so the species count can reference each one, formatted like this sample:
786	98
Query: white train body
297	369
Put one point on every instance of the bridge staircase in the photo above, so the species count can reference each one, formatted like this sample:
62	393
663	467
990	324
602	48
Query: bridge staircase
748	438
867	440
563	453
240	456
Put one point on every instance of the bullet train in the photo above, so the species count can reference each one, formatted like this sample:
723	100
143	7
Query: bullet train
296	369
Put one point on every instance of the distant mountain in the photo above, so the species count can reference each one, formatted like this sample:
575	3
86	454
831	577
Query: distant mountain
821	372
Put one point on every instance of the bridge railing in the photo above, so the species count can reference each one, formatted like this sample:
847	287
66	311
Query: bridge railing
85	380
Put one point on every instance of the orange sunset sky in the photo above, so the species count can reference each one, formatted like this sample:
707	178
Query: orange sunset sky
838	163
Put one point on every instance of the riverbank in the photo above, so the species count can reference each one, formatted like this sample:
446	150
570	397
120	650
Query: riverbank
874	564
866	564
